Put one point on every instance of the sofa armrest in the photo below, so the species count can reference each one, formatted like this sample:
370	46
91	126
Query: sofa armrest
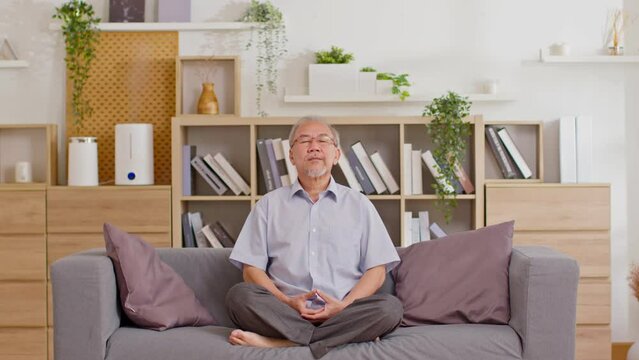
85	305
543	302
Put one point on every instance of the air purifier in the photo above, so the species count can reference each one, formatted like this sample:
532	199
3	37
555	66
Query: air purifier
134	154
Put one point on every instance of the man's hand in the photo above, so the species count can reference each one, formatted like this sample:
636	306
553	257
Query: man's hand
331	308
299	303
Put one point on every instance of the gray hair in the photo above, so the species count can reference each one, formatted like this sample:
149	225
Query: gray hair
316	119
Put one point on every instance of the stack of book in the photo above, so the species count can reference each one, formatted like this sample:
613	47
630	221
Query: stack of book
413	159
419	229
215	170
509	158
196	234
277	169
367	174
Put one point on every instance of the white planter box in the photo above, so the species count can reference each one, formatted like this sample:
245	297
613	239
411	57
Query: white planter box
384	87
367	83
331	79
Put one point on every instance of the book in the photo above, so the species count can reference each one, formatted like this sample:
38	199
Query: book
567	150
347	170
407	233
583	127
414	230
188	240
267	175
213	164
384	172
518	159
232	173
437	231
416	172
270	152
208	175
463	179
290	168
211	238
222	235
360	174
280	162
196	227
504	161
407	165
424	224
435	170
188	181
363	158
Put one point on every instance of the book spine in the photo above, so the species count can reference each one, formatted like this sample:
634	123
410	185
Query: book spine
374	177
279	160
437	231
211	238
264	165
407	233
464	180
273	163
514	153
222	235
360	174
292	171
210	161
348	172
232	173
583	125
416	171
503	160
414	229
188	153
214	182
407	165
434	169
424	224
384	172
187	232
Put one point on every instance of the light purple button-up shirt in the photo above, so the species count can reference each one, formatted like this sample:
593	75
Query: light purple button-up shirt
303	245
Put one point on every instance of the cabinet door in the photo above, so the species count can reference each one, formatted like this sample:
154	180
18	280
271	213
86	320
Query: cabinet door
22	257
22	212
23	303
23	343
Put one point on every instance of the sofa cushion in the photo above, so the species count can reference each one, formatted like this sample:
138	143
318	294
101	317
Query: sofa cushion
461	278
152	294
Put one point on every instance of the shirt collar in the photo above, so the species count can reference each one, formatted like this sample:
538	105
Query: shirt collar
296	188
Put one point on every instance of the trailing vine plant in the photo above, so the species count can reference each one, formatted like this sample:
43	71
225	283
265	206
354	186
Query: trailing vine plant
270	44
449	134
400	84
80	39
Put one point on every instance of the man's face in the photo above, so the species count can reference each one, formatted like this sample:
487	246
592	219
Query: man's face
313	151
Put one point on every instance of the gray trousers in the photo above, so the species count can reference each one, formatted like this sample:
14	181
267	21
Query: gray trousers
253	308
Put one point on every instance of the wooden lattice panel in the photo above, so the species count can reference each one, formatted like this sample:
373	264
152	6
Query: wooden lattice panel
132	81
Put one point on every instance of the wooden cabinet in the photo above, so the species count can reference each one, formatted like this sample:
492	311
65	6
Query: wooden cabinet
574	219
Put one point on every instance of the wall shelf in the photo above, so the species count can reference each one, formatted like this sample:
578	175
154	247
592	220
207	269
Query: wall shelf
157	26
290	98
5	64
544	57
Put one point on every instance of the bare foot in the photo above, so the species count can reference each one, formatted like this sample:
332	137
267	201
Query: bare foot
247	338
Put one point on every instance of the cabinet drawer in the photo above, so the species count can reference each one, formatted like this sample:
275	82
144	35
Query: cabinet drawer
22	212
23	303
139	210
23	344
593	302
50	343
590	248
22	257
554	207
593	343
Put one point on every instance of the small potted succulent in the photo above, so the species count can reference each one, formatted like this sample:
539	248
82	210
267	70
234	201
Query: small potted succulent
333	73
367	81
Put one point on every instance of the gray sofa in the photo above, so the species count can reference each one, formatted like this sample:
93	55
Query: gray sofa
89	324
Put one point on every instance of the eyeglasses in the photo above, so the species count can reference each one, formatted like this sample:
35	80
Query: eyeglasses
323	140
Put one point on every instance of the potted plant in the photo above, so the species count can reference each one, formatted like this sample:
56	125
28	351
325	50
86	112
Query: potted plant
333	73
367	81
270	44
80	40
449	133
389	83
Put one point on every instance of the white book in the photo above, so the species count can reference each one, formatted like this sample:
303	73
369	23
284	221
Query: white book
416	172
235	176
583	126
211	238
385	173
514	153
292	170
414	229
567	150
374	177
196	224
437	231
407	233
434	169
424	224
279	157
222	174
348	172
407	166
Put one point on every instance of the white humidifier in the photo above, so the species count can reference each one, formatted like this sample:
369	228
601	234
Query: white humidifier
134	154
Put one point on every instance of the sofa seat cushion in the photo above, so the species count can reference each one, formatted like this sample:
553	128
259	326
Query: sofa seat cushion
432	342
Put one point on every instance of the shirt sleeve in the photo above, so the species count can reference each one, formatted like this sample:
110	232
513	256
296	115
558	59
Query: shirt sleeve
250	247
377	246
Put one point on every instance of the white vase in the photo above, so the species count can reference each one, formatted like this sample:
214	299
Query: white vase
83	161
367	83
332	79
384	87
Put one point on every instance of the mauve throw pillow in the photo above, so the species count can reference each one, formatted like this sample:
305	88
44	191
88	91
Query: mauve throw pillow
152	294
460	278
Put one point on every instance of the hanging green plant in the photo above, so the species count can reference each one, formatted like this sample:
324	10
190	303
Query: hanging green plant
80	39
449	134
271	46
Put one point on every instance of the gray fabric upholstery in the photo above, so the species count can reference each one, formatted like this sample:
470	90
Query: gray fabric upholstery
543	288
543	302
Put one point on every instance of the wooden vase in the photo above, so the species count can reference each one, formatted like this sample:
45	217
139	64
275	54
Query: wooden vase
207	104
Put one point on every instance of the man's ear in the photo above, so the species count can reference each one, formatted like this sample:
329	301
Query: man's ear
338	153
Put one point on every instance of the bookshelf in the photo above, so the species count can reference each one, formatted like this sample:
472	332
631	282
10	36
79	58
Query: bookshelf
236	137
528	137
35	143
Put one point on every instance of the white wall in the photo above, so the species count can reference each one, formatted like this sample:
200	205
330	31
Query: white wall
451	44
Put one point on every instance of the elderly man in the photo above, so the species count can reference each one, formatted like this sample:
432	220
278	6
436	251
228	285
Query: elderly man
312	254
